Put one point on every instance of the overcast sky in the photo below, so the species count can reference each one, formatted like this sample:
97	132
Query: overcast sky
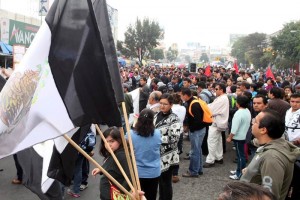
208	22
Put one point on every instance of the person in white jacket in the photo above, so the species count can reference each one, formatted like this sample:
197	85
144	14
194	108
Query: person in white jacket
220	110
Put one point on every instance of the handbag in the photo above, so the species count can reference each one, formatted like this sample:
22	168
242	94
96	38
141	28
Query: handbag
115	193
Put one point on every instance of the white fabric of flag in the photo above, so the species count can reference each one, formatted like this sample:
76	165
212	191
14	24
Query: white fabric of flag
31	109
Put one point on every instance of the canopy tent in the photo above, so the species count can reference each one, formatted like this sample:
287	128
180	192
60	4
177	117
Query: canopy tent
122	61
5	55
5	48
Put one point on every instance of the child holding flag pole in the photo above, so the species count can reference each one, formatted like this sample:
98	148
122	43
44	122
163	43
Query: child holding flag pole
133	171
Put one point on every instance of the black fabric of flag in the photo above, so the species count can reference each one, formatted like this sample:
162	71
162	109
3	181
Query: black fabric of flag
62	164
61	167
83	61
84	65
32	165
2	82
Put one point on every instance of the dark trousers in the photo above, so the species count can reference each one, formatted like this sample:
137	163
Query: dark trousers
224	141
77	178
240	154
175	170
85	171
149	186
18	167
165	185
180	144
204	143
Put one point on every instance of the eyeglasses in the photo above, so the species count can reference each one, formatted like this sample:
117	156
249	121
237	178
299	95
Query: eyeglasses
164	104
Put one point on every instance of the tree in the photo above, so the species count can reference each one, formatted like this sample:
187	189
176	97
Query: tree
171	54
121	48
249	49
142	38
157	54
204	57
287	42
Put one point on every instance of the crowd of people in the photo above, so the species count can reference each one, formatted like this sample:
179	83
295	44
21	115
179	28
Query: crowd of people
258	115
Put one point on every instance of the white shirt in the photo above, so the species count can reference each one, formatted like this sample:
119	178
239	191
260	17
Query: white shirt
292	124
180	111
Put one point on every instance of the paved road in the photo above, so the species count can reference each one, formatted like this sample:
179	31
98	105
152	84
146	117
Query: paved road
206	187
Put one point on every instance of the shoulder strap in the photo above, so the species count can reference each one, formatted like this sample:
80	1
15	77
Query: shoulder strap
206	95
190	107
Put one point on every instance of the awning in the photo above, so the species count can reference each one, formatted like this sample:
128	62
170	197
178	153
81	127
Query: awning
5	48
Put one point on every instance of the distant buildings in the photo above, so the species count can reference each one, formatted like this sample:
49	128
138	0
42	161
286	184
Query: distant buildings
17	29
20	29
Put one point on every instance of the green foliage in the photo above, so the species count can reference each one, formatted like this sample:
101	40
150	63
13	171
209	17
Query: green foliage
157	54
122	49
142	38
249	49
204	57
287	42
171	54
266	58
284	63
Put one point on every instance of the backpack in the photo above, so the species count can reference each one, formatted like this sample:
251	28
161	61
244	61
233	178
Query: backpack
89	141
211	98
207	114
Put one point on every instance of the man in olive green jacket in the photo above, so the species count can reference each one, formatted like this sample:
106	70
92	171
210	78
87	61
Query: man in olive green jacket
273	164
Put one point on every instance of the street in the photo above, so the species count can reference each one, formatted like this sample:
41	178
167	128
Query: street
206	187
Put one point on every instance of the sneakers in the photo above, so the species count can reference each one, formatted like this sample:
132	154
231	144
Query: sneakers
234	177
233	172
83	187
16	181
175	179
71	193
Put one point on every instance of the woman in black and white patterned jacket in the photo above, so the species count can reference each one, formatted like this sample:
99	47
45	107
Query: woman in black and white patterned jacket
169	125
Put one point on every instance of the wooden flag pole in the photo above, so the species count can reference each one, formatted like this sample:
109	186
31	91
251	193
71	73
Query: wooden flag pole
114	157
132	174
131	147
78	148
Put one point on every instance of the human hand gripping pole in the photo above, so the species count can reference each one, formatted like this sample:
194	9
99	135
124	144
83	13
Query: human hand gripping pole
114	157
135	173
78	148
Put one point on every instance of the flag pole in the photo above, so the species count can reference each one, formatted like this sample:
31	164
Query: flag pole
115	158
97	165
131	146
132	174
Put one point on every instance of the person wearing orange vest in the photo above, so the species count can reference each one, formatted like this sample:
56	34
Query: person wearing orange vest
197	133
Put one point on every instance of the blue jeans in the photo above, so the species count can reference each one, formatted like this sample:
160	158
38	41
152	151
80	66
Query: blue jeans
77	173
196	139
240	154
85	171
